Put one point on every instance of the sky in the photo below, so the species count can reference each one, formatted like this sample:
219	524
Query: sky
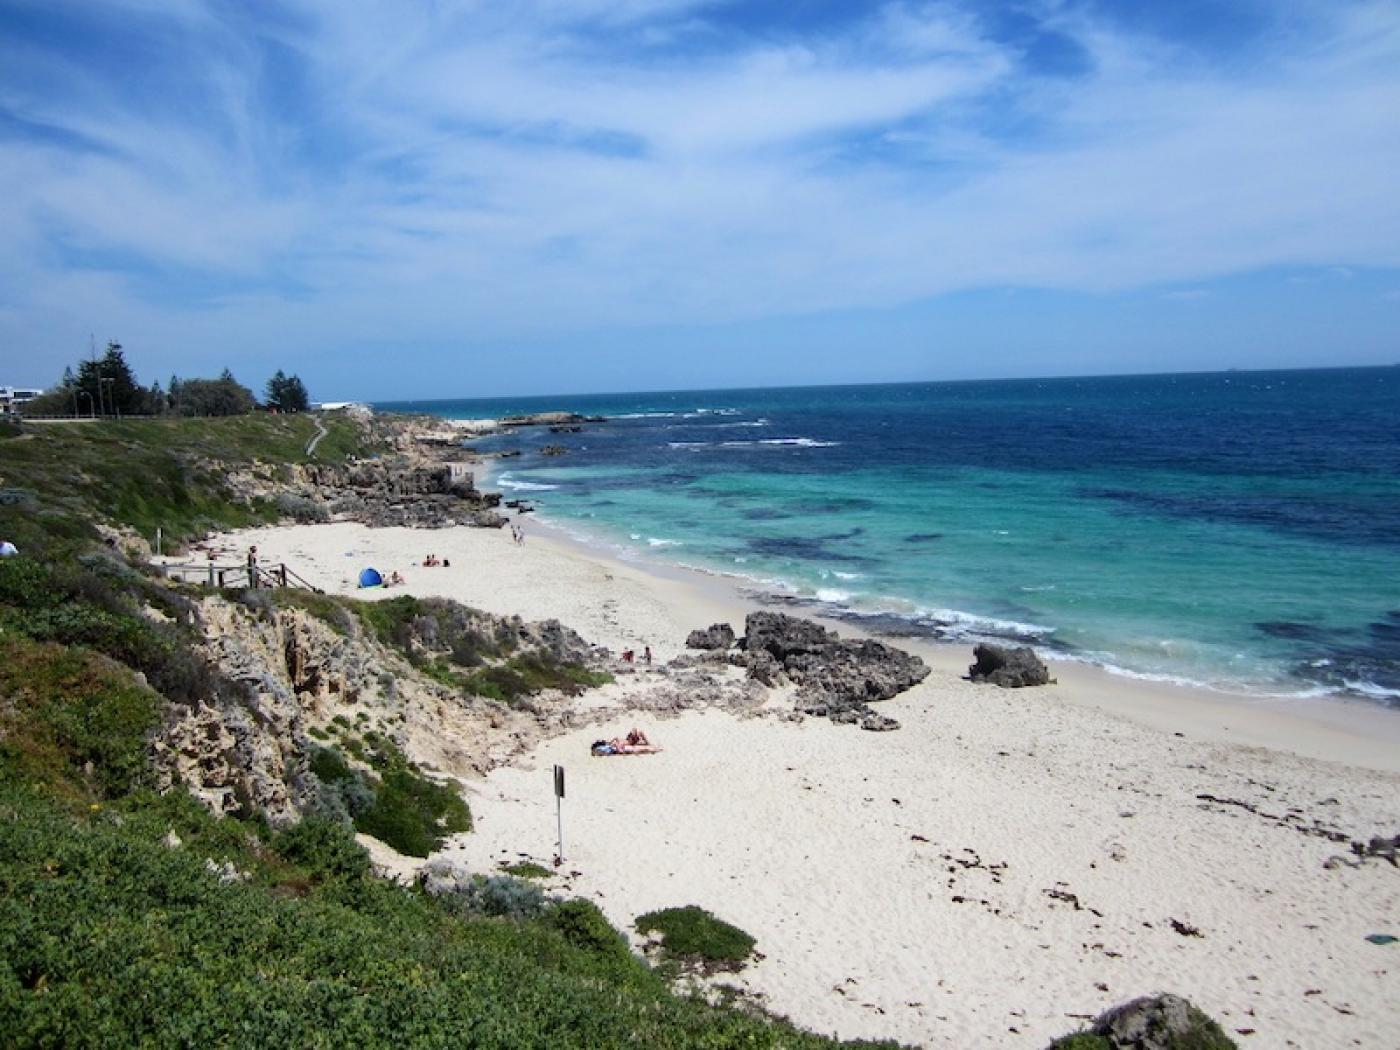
447	199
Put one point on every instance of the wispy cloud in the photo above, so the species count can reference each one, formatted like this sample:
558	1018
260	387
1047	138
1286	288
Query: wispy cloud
398	173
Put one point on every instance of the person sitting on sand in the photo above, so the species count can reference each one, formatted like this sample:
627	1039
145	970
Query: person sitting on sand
430	561
394	580
637	738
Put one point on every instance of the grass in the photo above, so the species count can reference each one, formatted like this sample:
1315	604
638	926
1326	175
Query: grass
149	473
72	722
694	937
528	870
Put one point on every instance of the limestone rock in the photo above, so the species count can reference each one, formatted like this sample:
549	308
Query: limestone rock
836	678
1160	1022
716	636
1008	668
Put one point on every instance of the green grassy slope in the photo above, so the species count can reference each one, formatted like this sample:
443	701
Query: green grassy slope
128	918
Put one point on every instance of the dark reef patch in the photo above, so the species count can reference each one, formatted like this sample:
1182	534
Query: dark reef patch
808	548
765	514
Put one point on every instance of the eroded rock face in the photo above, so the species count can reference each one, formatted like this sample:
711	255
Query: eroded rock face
836	678
1008	668
716	636
392	492
245	748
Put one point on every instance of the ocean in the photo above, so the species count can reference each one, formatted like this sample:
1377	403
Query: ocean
1236	530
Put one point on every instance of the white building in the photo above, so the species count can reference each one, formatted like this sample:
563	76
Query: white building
11	397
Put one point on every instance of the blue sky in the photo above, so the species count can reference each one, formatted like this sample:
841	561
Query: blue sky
458	198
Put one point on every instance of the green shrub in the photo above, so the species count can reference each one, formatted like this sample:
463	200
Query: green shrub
499	896
72	721
528	870
324	849
583	925
693	936
413	814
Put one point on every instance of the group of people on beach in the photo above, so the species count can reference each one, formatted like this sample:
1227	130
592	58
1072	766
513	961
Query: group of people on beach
630	655
432	561
517	533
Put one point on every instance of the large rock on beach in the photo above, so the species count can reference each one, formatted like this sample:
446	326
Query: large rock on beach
836	678
1158	1022
1008	668
716	636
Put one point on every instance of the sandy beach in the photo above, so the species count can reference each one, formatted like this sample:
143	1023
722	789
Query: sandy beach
1005	866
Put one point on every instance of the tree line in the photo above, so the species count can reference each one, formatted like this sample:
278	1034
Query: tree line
107	386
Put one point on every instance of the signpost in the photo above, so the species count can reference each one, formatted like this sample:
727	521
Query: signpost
559	808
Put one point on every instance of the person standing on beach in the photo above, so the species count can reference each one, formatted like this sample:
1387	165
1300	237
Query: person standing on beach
252	566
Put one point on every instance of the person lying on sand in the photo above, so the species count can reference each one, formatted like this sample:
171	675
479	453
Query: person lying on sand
634	743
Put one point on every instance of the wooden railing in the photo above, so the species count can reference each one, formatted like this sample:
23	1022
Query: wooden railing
212	574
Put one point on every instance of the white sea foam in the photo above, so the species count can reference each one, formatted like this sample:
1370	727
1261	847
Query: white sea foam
847	575
654	541
647	415
798	442
505	481
1371	689
833	596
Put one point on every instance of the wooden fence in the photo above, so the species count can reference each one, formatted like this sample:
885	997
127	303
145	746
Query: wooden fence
212	574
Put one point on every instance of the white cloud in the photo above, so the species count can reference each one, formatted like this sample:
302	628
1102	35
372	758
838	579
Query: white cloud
501	177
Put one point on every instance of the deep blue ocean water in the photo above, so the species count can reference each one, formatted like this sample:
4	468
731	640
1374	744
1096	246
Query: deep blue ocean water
1235	529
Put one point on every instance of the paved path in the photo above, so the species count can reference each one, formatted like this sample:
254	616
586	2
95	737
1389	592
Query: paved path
321	427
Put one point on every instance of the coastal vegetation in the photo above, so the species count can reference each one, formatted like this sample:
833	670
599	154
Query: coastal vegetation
128	916
132	911
174	474
692	937
458	647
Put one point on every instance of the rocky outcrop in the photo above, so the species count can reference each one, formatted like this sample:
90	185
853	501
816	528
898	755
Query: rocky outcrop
554	450
286	675
716	636
1008	668
549	419
1157	1022
835	678
394	492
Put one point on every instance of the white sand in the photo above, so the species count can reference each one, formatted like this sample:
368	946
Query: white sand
1004	864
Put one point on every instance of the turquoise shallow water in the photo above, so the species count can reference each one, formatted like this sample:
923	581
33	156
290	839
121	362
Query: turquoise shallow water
1240	530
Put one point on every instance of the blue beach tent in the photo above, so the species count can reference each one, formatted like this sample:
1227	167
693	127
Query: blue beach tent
371	578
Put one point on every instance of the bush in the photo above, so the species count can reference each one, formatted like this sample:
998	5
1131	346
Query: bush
528	870
301	508
413	814
74	722
693	936
582	924
324	849
503	897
